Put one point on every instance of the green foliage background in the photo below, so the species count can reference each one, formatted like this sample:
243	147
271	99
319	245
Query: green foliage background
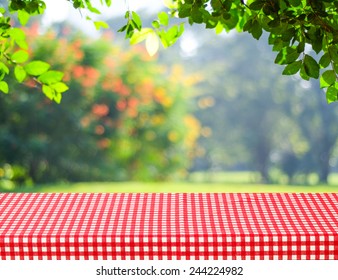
143	130
253	118
124	117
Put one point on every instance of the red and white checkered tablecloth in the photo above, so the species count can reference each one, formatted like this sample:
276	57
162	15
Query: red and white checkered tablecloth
169	226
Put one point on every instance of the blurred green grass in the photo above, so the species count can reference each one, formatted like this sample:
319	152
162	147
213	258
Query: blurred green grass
198	182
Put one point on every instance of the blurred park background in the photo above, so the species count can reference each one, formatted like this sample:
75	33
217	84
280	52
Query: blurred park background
210	114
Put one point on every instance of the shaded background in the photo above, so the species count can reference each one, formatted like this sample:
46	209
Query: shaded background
210	108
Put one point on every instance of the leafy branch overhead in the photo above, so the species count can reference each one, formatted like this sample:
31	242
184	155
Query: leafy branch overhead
14	50
294	26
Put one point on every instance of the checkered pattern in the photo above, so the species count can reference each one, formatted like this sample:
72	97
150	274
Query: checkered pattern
169	226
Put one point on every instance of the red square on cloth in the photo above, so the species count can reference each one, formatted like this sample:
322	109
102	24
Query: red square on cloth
201	226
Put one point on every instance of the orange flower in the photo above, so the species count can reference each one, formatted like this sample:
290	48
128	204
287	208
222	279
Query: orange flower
92	73
120	88
88	76
124	90
78	54
133	102
121	105
88	83
100	110
77	43
78	71
75	49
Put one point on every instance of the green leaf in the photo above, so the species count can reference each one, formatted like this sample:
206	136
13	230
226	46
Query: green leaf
163	18
295	3
48	91
140	36
311	67
91	8
332	93
51	77
216	5
172	5
335	67
36	68
333	51
257	5
17	34
20	73
328	78
219	28
94	10
4	87
256	30
196	14
287	55
274	23
301	47
325	60
137	20
168	38
156	24
59	87
57	97
23	17
152	43
123	28
4	68
19	37
100	24
317	44
130	29
184	11
303	73
288	34
20	56
180	29
292	68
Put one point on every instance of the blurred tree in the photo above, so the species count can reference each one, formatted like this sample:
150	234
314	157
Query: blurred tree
124	117
317	122
249	119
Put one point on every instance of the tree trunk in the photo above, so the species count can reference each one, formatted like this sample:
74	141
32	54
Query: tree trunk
324	167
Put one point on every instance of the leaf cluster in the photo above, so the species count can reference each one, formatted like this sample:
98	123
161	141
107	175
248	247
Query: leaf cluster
14	54
294	27
161	30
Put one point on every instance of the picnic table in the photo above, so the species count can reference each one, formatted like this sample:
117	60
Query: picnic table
174	226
